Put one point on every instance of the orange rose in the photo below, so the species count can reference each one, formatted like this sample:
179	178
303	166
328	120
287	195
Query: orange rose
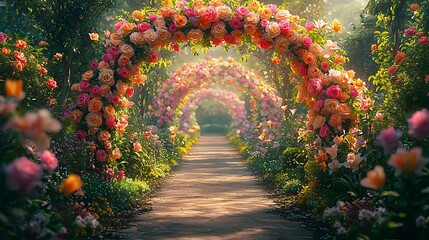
335	120
106	77
330	106
14	89
115	39
140	79
251	18
71	184
76	116
250	28
345	111
116	154
291	36
237	34
75	87
319	120
138	14
313	71
95	105
150	36
104	89
309	58
137	38
294	19
159	23
127	50
204	25
344	96
224	12
265	13
215	3
123	60
273	29
315	49
282	15
88	75
109	111
121	87
179	37
180	20
92	131
93	119
195	35
103	65
103	136
254	5
108	145
218	30
126	29
164	36
281	44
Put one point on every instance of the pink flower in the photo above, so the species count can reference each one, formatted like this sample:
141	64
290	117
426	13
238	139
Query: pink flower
43	71
23	174
418	124
95	91
119	24
121	175
152	17
393	69
84	86
309	25
235	23
94	64
153	57
333	92
124	72
101	155
242	11
314	87
408	161
51	84
264	23
111	122
115	100
318	105
353	91
284	26
80	135
189	12
82	100
324	131
389	139
307	42
143	27
107	57
2	37
324	66
172	27
48	160
409	31
114	52
210	14
272	7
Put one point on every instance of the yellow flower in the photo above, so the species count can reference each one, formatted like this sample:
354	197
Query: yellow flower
337	26
71	184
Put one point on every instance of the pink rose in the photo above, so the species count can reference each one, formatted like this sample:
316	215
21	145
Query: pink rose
95	91
424	40
115	100
284	26
242	11
101	155
272	7
114	52
235	23
324	131
51	84
418	124
107	57
409	31
84	86
130	92
314	87
301	70
152	17
309	25
333	92
23	174
153	57
48	160
124	72
94	64
324	66
307	42
189	12
210	14
143	27
121	175
264	23
318	105
82	100
111	122
172	27
389	139
119	24
353	91
80	135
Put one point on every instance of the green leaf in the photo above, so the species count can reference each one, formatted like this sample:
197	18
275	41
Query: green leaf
392	224
390	193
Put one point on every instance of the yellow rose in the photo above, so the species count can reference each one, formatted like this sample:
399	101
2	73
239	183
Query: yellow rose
93	119
106	77
137	38
218	30
95	105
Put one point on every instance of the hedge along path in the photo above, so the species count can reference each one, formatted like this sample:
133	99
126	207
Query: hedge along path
213	196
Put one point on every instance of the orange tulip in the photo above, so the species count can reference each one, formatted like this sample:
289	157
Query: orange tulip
408	161
375	179
71	184
5	50
14	89
337	26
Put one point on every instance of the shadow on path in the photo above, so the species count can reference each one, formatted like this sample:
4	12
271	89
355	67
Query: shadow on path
213	196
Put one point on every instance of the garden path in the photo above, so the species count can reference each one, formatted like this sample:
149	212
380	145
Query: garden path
213	196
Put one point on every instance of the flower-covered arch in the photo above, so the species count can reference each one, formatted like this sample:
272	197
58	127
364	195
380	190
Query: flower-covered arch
228	99
330	93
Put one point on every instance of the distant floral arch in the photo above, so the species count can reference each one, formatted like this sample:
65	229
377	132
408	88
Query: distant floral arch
331	94
228	99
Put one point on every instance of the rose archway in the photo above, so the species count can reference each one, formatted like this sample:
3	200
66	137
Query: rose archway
230	100
265	104
331	94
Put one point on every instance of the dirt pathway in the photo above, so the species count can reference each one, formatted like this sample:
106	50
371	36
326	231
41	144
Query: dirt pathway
213	196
